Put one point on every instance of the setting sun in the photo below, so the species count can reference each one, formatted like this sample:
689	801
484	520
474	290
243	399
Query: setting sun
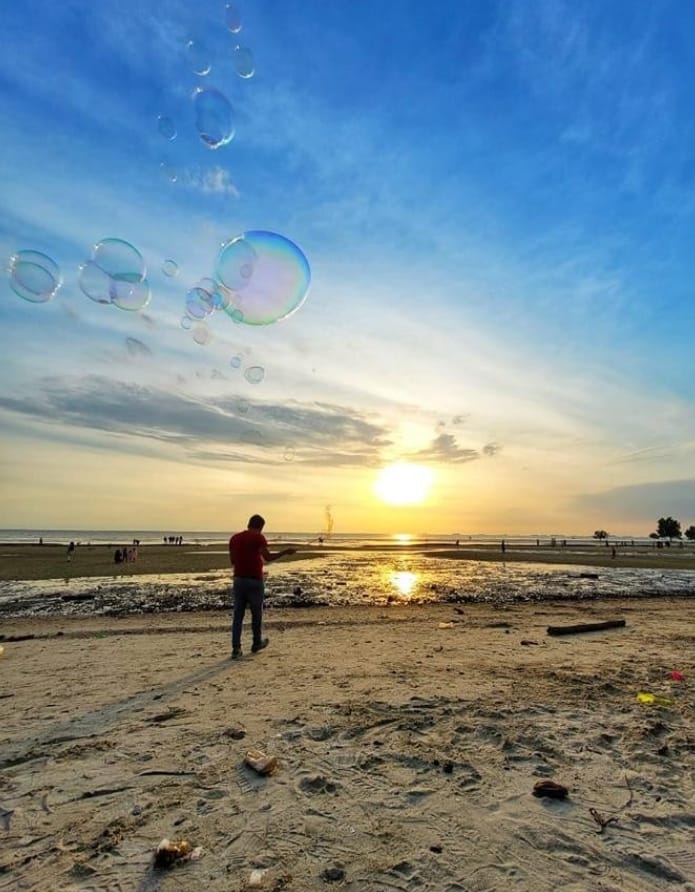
403	484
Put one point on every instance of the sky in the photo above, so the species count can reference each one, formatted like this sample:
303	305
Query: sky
497	204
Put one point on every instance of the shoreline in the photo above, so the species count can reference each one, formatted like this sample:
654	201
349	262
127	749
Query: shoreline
29	561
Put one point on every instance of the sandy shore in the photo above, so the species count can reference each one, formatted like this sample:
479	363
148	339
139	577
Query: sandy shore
407	752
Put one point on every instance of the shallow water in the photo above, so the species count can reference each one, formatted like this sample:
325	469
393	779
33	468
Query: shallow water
343	578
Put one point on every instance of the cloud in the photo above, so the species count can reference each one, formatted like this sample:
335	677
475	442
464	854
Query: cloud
445	448
644	501
491	449
211	429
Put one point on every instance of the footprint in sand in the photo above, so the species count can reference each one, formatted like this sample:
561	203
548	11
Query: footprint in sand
317	783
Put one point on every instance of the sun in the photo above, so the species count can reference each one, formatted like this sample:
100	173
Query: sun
403	483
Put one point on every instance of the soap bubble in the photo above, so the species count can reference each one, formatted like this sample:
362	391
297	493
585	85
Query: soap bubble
170	268
235	361
254	374
34	276
289	454
199	303
169	172
115	274
243	406
232	18
186	322
166	127
214	117
268	276
199	58
243	62
201	334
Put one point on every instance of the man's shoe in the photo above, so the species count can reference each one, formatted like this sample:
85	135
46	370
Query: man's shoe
236	653
261	644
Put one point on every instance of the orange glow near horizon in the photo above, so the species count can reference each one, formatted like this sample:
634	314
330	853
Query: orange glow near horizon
403	483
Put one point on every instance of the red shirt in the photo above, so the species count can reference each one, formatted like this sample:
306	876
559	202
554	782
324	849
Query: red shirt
245	553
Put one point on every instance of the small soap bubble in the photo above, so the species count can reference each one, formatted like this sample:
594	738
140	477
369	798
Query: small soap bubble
130	295
166	127
201	334
268	276
289	454
35	277
199	303
170	268
254	374
243	62
186	322
199	58
243	406
235	361
169	172
115	274
232	18
214	117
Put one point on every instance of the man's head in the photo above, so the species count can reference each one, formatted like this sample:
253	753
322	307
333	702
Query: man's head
256	522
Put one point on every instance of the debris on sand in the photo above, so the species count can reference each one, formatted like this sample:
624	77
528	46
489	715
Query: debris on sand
169	853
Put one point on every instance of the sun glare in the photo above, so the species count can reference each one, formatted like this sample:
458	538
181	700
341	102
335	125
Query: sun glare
403	483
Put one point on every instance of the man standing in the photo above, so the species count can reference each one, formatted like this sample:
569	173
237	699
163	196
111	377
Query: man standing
247	552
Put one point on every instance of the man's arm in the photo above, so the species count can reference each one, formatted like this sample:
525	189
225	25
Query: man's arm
269	556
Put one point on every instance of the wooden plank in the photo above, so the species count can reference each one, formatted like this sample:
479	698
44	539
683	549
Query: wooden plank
586	627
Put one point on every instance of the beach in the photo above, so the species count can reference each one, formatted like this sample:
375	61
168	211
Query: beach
409	737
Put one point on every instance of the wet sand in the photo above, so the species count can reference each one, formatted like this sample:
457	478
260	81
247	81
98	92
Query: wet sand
21	562
407	751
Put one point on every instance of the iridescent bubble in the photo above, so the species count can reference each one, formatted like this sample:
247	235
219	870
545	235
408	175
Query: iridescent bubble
243	406
243	62
199	58
254	374
186	322
199	303
235	361
201	334
214	117
170	268
166	127
130	295
279	278
34	276
232	18
115	274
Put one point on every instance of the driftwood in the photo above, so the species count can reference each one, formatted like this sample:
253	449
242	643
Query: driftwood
586	627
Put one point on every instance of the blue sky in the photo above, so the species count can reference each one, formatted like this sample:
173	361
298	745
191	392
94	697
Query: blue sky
497	203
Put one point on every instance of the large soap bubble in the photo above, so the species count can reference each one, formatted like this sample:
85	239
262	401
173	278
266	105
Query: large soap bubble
115	274
243	62
34	276
214	117
266	275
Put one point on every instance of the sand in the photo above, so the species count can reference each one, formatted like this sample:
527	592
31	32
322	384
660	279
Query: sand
407	752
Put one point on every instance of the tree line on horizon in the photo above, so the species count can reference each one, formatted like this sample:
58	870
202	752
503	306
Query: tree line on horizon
666	528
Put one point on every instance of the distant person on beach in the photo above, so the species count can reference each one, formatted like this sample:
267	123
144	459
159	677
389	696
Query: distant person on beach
71	550
247	552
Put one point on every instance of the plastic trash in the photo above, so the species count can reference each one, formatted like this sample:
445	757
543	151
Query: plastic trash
676	676
445	626
656	699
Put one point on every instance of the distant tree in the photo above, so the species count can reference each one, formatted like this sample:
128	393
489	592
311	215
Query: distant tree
690	533
668	528
653	535
601	534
